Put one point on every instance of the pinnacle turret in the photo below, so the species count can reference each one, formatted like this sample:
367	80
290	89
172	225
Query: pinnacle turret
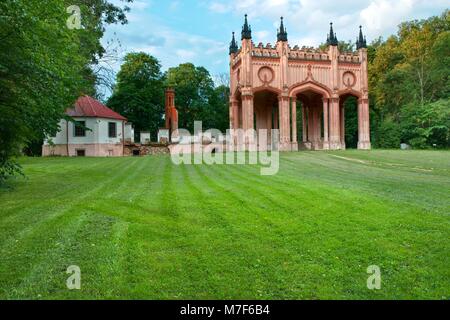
246	30
233	45
332	38
282	32
361	40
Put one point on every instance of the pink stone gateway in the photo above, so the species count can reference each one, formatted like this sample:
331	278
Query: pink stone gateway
267	83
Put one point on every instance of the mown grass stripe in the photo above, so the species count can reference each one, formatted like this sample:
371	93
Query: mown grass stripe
159	231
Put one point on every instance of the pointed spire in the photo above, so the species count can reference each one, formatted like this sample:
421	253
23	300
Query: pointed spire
246	30
233	45
282	32
361	37
332	38
361	41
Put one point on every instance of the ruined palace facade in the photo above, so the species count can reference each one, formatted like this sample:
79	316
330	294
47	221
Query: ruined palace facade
269	83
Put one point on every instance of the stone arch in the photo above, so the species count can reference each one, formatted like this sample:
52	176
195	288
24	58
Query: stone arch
311	96
309	86
350	92
267	88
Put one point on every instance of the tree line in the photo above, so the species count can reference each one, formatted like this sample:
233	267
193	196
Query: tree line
409	85
139	94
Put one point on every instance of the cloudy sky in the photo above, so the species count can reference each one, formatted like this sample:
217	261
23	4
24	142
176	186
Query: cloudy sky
199	31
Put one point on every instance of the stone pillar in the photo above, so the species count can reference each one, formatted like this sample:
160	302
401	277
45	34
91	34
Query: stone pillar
234	116
275	118
342	108
333	53
247	112
363	125
335	135
310	114
268	121
314	130
247	122
285	123
318	124
326	138
294	120
305	127
360	129
294	124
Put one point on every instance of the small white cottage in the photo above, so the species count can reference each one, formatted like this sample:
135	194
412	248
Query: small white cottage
97	132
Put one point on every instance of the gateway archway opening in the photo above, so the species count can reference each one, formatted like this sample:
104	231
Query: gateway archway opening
266	112
310	120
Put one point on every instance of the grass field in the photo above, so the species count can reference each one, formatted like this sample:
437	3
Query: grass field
142	228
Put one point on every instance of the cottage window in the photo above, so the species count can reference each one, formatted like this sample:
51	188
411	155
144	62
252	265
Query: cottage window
80	130
112	129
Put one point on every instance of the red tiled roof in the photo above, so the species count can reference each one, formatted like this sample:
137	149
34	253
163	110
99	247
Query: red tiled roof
89	107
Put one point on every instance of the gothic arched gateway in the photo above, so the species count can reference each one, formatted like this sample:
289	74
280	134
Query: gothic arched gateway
268	83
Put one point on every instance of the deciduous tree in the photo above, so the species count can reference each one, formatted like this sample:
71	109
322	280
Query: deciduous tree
139	92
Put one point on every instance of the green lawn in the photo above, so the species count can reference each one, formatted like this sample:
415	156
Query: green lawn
142	228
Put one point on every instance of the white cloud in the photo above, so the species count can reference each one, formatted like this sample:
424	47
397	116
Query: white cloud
382	14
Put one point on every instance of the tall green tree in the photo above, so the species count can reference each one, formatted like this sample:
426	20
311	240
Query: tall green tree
44	67
195	94
139	92
215	114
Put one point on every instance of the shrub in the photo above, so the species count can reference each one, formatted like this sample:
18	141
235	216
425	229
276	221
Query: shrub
428	125
9	168
389	135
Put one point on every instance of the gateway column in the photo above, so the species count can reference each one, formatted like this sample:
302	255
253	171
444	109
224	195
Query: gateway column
247	111
363	125
248	121
335	125
342	109
294	124
285	125
305	127
326	139
234	116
